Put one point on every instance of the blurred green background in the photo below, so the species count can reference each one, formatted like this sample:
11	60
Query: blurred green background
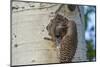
90	31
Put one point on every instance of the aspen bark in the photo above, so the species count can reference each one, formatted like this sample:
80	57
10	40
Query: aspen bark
29	29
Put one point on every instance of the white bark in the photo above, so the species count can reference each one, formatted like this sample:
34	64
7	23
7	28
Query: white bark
29	26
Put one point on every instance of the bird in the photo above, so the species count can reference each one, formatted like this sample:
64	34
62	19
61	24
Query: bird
64	33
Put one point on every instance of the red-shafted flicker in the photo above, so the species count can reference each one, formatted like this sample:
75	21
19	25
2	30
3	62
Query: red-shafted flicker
64	34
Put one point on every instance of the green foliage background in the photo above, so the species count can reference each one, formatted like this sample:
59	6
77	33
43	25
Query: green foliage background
91	51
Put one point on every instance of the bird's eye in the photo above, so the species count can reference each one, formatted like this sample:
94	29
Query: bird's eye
71	7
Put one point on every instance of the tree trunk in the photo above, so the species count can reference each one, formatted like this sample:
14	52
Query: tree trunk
29	29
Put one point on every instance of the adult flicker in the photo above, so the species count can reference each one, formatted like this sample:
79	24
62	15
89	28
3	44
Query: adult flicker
64	34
